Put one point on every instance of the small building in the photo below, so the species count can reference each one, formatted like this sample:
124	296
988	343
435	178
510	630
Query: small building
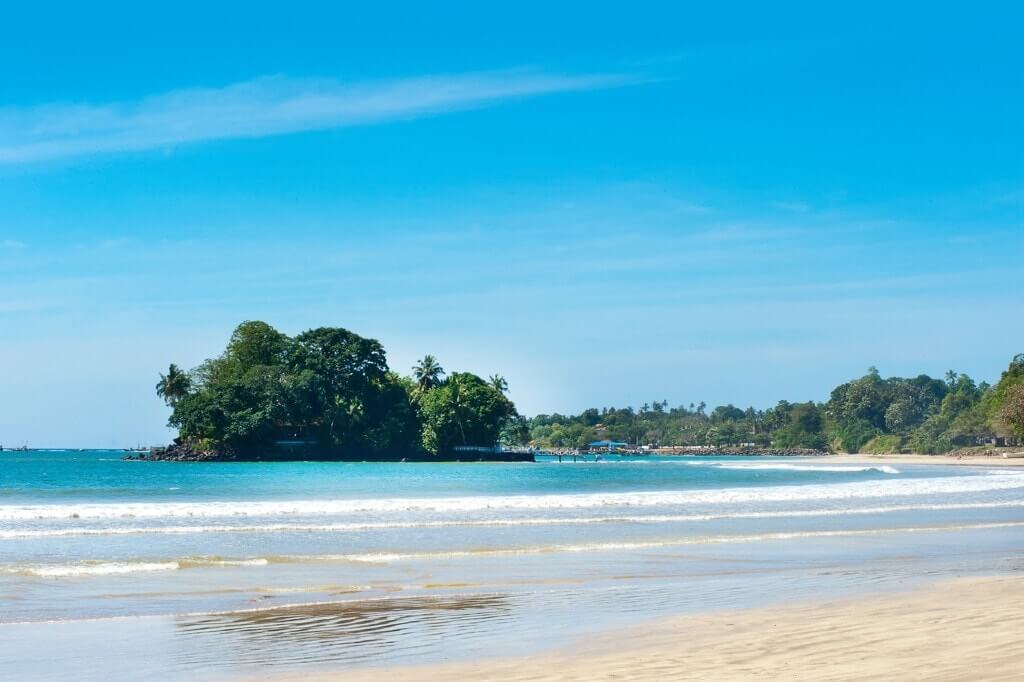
608	445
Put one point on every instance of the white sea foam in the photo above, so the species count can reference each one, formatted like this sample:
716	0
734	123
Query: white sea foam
102	568
884	469
389	557
781	466
201	562
94	568
494	522
110	568
787	493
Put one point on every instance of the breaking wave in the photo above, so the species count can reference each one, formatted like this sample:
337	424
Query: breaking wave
908	487
493	523
104	568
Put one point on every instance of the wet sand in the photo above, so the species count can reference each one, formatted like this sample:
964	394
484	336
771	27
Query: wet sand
967	629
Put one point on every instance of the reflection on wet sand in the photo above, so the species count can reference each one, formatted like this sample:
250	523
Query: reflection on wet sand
353	631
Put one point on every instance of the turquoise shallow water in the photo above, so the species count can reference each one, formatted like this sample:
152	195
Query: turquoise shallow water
105	476
186	570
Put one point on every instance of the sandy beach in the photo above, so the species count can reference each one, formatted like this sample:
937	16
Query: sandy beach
997	460
966	629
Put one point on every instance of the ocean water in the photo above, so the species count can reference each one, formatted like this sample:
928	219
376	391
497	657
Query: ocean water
175	570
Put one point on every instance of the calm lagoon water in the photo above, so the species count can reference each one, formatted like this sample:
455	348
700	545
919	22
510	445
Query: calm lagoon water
207	570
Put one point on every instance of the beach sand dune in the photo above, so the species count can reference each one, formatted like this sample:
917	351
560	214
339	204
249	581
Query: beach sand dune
967	629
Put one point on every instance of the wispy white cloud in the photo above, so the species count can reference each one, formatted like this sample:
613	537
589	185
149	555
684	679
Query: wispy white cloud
265	106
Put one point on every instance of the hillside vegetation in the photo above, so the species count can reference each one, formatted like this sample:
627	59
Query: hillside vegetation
873	414
329	391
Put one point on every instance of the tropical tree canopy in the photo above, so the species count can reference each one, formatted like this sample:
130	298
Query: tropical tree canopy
329	391
919	414
326	391
174	385
498	383
465	410
428	373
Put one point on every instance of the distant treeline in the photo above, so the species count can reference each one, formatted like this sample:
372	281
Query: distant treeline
327	392
872	413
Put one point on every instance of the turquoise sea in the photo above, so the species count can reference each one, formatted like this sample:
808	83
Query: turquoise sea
127	569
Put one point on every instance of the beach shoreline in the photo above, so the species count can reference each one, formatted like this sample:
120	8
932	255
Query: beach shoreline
583	572
962	629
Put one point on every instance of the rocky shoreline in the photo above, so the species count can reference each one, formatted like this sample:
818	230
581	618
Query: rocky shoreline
180	453
184	453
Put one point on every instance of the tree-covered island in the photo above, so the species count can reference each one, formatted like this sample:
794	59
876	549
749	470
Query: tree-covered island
329	393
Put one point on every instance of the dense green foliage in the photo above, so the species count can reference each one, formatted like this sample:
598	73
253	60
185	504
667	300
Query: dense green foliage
796	425
919	414
327	391
1006	401
463	410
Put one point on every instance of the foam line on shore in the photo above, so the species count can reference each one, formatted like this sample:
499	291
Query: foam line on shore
780	466
102	568
827	468
493	523
108	568
390	557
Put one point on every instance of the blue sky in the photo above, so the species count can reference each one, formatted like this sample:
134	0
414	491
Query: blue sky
732	204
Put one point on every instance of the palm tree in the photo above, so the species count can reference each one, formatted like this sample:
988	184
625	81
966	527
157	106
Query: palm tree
457	406
428	373
498	383
174	385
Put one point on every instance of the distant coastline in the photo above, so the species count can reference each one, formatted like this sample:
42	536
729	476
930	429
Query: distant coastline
329	394
1013	457
183	454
